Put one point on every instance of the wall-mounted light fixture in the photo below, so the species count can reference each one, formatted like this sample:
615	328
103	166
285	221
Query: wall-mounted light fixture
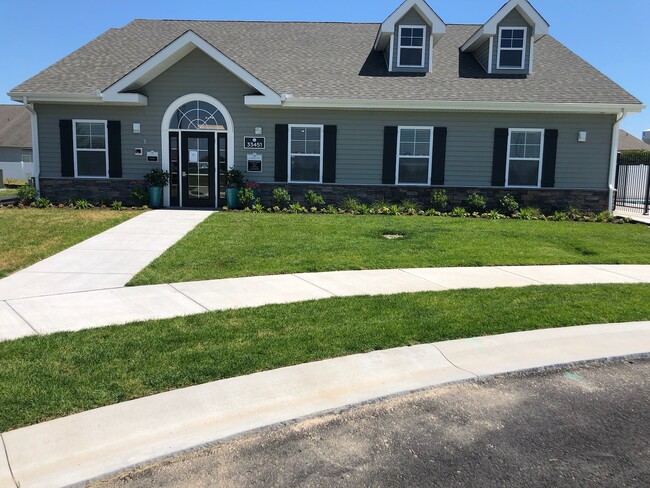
582	136
136	128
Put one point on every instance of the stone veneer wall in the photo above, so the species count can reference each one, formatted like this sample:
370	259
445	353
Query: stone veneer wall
61	190
547	200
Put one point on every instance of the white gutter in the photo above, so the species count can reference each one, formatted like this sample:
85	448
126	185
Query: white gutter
614	159
35	145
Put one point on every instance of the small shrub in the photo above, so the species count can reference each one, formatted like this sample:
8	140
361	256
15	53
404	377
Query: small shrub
605	216
475	202
331	209
528	213
573	213
364	209
410	207
350	205
258	207
313	199
297	208
140	195
281	197
439	200
432	212
508	204
82	204
42	203
27	194
116	205
394	210
459	212
493	215
246	197
560	216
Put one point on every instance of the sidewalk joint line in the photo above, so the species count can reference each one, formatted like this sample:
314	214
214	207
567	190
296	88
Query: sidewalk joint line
595	266
11	471
423	278
189	298
314	284
68	293
505	268
476	376
22	318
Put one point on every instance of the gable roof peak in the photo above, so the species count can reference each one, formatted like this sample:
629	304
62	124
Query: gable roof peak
438	27
524	8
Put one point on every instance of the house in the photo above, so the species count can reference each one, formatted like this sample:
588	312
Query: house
15	142
627	142
391	110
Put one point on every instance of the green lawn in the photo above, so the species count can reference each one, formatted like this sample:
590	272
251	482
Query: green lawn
52	376
29	234
240	244
8	192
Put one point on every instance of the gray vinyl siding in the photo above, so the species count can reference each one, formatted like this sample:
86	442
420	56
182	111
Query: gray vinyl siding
482	54
513	19
470	136
412	18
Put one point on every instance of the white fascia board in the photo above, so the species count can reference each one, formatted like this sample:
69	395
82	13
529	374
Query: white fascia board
539	24
174	52
469	106
438	27
31	97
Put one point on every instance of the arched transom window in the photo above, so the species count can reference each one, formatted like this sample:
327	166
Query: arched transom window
198	115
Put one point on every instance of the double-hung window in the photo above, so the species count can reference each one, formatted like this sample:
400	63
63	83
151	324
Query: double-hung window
524	164
410	52
90	148
415	147
512	47
306	153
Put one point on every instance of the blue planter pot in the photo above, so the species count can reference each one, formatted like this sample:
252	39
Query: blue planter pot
232	198
155	196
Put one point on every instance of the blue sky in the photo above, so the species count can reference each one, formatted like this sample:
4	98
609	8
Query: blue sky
610	34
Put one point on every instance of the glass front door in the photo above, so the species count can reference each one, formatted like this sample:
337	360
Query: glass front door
198	174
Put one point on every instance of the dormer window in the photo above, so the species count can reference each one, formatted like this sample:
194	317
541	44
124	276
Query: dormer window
512	46
411	46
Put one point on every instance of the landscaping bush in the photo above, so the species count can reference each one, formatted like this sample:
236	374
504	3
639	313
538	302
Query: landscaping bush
313	199
410	207
116	205
459	212
493	215
42	203
297	208
140	195
281	197
528	213
82	204
475	202
246	197
350	205
27	194
508	204
439	200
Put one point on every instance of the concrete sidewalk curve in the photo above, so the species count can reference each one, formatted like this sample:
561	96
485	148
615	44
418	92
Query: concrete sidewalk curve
75	311
95	444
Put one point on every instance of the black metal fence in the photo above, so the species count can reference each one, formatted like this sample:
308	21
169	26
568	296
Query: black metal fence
633	182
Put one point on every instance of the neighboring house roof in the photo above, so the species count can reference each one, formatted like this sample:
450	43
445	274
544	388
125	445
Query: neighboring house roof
333	61
15	126
627	142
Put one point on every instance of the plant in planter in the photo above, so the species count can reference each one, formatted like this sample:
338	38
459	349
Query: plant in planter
234	181
156	180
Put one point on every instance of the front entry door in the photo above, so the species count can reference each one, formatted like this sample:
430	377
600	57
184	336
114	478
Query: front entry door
198	164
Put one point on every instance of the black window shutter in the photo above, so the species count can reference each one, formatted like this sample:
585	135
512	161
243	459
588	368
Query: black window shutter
499	157
329	154
281	152
67	148
390	155
549	158
439	155
114	149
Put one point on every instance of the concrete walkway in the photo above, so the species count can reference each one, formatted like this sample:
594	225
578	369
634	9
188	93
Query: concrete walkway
637	217
20	317
108	260
98	443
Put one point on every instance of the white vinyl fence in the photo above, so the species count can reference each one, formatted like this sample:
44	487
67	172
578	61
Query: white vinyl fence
17	170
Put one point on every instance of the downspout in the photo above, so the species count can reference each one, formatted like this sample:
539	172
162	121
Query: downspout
35	146
614	158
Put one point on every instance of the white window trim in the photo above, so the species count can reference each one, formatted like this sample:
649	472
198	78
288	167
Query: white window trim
399	141
74	145
399	45
322	136
522	49
540	160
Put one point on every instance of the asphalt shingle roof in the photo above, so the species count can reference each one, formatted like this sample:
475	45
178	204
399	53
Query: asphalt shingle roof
627	142
333	60
15	126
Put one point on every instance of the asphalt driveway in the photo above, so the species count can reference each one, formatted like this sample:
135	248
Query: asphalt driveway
586	426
